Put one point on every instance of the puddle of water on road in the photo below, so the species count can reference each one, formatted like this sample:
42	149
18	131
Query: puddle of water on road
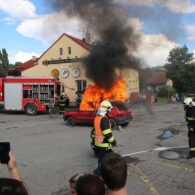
168	133
174	154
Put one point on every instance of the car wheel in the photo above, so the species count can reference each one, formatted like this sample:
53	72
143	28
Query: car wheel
70	121
113	124
31	109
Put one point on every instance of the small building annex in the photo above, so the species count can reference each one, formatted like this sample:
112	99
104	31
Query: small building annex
157	80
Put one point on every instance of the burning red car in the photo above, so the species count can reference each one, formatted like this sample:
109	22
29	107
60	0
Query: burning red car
120	114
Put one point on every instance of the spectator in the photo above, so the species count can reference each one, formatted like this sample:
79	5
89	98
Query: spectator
177	97
13	185
90	185
173	99
73	180
12	166
113	170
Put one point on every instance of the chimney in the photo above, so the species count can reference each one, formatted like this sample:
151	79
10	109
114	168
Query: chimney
87	37
34	58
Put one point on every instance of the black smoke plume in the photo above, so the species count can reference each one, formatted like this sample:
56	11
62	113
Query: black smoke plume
116	38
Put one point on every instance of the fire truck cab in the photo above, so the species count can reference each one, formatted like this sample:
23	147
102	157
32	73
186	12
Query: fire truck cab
31	95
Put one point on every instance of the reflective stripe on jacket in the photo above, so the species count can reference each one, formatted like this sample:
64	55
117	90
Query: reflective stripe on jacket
103	137
62	101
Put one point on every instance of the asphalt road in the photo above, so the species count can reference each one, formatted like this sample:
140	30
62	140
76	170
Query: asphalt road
49	153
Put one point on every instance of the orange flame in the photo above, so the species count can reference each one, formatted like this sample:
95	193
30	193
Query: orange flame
94	95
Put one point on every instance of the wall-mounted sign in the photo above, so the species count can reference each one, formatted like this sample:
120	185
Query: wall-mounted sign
55	73
61	61
65	72
75	72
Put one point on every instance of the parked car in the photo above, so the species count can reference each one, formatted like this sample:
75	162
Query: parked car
120	114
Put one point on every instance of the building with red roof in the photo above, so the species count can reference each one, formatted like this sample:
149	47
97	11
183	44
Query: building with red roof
16	70
158	80
64	60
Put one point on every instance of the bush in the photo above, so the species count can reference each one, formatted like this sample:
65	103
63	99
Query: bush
166	91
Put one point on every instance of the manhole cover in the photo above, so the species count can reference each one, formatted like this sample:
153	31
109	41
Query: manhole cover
169	154
131	160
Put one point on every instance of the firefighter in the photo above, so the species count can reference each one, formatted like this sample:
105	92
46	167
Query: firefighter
189	107
79	98
104	140
66	101
62	103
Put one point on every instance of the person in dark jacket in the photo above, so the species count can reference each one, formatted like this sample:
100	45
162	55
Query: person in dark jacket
189	107
66	101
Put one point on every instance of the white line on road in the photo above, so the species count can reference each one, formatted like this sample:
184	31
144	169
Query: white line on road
155	149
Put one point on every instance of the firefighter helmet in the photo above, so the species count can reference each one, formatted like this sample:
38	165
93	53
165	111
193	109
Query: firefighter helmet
105	105
188	101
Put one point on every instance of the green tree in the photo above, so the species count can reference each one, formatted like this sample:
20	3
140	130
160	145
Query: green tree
166	91
189	75
4	62
179	63
17	63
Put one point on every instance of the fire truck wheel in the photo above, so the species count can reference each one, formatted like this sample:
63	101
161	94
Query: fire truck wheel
70	121
31	109
113	124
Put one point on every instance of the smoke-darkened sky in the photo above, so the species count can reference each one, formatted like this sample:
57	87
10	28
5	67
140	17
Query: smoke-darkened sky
117	39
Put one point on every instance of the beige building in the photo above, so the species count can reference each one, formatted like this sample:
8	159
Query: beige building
64	59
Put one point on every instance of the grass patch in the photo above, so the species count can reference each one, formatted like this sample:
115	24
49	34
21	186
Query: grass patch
163	100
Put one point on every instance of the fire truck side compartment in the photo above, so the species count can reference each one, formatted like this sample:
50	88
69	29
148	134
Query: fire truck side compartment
13	96
1	90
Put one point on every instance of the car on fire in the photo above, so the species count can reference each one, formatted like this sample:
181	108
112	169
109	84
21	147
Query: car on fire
120	114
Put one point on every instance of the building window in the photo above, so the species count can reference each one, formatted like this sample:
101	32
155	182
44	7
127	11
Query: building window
61	51
69	50
81	85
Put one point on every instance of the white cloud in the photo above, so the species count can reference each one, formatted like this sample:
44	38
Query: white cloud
18	8
137	2
21	56
191	31
154	49
177	6
136	23
47	28
8	20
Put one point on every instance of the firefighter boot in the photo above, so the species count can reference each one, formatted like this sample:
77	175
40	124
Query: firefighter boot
191	155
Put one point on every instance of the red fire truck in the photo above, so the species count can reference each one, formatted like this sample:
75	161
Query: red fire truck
31	95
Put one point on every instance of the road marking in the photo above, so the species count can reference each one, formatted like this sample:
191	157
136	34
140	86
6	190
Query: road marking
155	149
145	180
191	170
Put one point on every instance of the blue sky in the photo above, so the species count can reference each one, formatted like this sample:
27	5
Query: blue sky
29	27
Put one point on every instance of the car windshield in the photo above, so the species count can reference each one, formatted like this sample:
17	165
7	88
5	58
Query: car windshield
120	105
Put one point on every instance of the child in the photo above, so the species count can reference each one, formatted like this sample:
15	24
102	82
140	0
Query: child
73	180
